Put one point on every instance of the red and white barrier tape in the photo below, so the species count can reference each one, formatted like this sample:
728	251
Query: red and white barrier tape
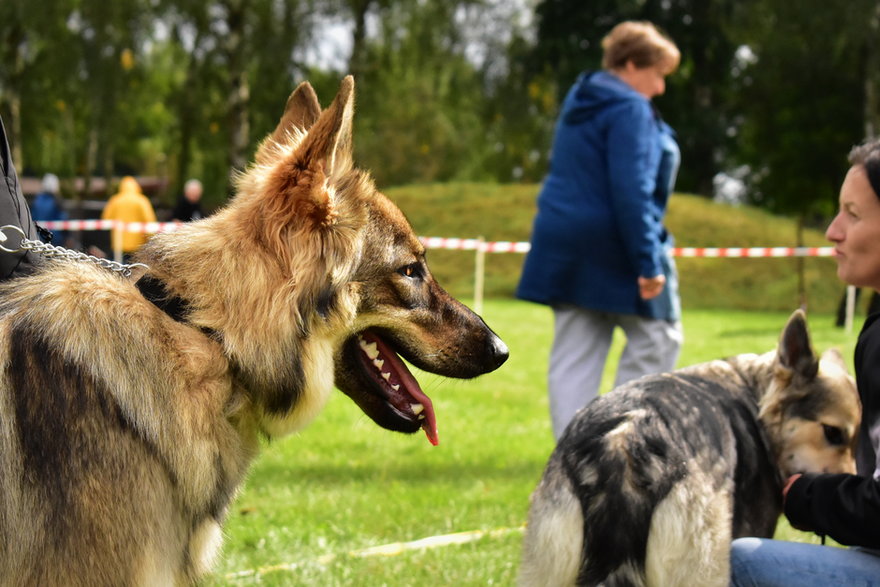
472	244
148	227
753	252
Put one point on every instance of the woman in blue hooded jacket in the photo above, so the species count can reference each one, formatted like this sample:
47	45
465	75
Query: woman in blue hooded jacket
600	255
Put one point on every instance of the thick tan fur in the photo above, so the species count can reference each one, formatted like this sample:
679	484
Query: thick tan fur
126	429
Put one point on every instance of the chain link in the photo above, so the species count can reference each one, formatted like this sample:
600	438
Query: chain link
54	252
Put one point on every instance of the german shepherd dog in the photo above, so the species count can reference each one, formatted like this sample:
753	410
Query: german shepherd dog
650	483
129	413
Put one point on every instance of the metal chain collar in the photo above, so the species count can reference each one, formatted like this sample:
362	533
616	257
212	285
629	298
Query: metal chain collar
55	252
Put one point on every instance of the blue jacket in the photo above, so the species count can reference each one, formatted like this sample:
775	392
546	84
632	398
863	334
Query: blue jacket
599	224
47	207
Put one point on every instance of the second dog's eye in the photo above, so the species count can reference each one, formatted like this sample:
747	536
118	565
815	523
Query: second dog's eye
833	435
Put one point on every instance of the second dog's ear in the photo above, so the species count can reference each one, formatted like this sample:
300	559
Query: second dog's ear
795	352
833	356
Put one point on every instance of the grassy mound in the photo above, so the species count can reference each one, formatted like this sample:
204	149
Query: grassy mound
505	212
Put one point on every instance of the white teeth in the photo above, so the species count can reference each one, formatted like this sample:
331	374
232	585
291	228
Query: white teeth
378	363
417	408
369	348
421	416
395	387
386	376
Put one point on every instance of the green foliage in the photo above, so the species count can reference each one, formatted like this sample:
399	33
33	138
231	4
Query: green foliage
413	126
505	213
795	135
447	91
344	484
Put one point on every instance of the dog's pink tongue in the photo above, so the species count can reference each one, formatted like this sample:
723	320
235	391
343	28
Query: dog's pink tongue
409	392
429	424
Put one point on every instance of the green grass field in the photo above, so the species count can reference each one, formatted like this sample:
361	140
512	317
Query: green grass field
344	484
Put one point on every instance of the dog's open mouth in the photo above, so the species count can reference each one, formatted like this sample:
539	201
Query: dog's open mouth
402	390
394	385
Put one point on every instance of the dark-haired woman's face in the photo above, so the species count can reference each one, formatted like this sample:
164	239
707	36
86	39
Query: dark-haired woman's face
855	231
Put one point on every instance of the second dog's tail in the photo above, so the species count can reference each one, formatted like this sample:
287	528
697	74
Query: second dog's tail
553	542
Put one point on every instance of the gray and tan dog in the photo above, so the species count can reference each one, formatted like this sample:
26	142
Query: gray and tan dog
650	483
130	413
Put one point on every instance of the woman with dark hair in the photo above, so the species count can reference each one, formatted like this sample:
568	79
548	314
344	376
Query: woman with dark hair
844	507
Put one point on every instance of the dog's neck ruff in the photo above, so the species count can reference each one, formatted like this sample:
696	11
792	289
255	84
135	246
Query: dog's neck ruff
155	291
177	308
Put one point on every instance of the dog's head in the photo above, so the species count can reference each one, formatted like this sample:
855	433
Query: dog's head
811	409
321	278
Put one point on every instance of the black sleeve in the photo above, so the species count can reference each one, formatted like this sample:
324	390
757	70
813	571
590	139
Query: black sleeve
13	210
844	507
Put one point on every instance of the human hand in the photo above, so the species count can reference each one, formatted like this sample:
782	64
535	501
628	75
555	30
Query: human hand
651	287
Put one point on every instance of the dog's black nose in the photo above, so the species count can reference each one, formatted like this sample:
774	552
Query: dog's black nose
498	352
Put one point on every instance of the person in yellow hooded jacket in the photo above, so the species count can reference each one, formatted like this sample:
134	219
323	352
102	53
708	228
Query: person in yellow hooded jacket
128	205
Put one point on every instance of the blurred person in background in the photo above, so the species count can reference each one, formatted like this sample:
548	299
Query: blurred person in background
129	204
600	255
48	206
189	205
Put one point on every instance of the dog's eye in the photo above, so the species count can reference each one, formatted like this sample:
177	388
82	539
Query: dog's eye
413	270
833	435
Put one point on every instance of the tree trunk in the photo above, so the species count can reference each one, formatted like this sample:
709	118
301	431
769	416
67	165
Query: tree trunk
13	94
359	10
15	139
802	282
186	114
239	90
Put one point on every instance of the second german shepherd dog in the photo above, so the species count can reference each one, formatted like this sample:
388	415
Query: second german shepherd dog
129	413
650	483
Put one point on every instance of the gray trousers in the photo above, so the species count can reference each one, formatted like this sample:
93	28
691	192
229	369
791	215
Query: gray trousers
581	341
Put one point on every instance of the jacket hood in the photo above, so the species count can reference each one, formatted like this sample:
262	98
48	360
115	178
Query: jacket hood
595	90
129	185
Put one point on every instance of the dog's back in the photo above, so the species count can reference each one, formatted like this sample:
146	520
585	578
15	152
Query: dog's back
88	437
647	470
649	483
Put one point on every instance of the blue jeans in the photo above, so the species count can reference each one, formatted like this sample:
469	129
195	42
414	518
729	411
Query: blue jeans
776	563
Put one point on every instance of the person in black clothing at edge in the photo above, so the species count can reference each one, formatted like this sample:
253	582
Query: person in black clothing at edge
14	211
189	206
842	506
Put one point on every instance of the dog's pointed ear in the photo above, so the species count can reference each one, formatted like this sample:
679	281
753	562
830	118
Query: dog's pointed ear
833	356
300	113
329	140
300	185
795	353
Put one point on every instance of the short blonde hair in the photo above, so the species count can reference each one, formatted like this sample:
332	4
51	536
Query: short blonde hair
643	44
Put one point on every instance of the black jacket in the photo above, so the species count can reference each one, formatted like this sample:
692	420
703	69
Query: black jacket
847	507
13	210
